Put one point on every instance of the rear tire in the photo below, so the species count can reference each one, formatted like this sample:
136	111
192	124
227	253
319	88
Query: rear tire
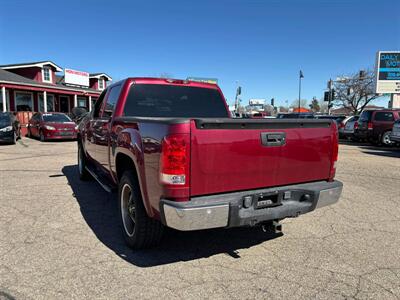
385	139
84	175
138	229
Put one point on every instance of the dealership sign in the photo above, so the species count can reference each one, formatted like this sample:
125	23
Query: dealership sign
256	101
76	77
388	72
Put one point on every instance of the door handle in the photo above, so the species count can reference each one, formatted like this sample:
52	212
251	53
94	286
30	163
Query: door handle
271	139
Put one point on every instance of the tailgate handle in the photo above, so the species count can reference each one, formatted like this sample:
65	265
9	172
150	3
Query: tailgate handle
273	138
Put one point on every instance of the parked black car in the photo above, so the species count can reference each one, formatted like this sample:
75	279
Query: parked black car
78	113
10	129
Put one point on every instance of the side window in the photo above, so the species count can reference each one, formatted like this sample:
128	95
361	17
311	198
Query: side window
98	104
384	116
112	99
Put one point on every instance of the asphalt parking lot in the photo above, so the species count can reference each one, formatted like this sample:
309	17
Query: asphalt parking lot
60	239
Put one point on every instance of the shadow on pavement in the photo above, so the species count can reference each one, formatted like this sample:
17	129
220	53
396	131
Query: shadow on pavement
385	152
99	209
380	150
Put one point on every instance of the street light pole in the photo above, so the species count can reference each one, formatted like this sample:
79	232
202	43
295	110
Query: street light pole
300	77
299	93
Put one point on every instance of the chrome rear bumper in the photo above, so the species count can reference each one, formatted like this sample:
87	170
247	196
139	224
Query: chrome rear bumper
227	210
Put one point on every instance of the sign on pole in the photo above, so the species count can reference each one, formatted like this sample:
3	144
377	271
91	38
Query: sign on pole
76	77
388	72
256	101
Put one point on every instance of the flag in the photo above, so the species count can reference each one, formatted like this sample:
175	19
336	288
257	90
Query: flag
301	74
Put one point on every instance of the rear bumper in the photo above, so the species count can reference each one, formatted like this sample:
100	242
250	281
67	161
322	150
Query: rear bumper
227	210
363	134
348	133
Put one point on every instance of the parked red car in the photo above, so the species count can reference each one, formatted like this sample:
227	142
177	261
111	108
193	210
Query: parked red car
177	159
376	125
51	126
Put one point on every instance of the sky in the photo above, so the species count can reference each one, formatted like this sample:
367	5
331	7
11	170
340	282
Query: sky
260	45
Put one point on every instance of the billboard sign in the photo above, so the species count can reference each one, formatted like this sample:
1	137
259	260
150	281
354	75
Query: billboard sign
257	102
76	77
388	72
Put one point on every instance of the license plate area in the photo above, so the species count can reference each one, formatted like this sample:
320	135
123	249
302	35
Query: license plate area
267	200
66	133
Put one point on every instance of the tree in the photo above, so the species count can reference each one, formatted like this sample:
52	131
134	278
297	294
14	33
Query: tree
355	91
165	75
283	109
295	103
323	106
314	106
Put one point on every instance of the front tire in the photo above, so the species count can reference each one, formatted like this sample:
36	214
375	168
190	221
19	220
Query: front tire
15	138
138	229
42	138
84	175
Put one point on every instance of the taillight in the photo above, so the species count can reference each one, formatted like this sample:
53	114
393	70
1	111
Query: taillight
370	125
335	151
174	166
341	125
356	125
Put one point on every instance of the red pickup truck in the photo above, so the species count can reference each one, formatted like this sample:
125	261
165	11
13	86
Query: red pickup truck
178	160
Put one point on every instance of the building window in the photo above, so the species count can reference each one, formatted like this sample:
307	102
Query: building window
82	102
50	103
23	101
101	84
2	101
46	74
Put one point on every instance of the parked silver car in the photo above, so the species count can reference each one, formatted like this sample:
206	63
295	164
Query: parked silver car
350	124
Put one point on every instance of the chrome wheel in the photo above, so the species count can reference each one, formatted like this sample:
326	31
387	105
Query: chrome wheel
128	210
386	139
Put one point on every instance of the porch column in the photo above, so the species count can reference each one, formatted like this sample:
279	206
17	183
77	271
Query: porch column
75	100
44	102
3	94
90	103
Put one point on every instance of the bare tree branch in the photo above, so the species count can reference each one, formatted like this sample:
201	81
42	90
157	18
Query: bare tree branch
355	92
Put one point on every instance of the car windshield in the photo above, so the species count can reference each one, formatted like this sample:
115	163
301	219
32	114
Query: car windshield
56	118
5	120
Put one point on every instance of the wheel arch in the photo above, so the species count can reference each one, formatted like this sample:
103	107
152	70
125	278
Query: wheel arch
124	162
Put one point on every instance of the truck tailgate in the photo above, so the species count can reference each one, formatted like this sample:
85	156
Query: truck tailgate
231	155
